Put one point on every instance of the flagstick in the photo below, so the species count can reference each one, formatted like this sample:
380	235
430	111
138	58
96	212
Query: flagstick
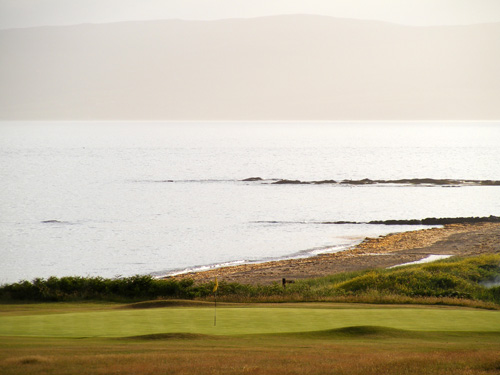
215	309
216	286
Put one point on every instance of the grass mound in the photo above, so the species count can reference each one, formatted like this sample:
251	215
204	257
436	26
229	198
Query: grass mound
165	303
448	278
369	332
372	332
358	331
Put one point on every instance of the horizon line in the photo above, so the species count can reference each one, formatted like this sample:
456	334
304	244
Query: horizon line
414	25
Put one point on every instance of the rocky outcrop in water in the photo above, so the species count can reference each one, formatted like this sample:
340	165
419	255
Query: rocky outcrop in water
290	182
427	221
440	221
367	181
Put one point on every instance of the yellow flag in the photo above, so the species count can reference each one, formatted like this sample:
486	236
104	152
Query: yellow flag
216	285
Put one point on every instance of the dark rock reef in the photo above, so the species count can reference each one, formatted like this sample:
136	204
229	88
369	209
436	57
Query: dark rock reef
427	221
367	181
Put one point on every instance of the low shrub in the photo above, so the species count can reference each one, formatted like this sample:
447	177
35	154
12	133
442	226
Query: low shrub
82	288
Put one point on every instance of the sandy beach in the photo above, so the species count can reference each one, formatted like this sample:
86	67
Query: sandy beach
380	252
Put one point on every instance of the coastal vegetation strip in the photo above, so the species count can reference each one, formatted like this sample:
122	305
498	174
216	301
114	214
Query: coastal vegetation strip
452	281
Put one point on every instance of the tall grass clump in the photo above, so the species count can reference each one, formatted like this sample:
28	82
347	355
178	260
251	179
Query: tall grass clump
459	278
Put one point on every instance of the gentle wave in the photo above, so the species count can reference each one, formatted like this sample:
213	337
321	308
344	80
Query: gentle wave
200	268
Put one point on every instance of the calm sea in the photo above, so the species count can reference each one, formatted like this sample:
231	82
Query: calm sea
119	199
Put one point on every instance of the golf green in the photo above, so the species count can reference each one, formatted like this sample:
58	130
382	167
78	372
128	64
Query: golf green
248	320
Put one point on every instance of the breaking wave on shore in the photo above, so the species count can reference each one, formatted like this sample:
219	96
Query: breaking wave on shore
298	255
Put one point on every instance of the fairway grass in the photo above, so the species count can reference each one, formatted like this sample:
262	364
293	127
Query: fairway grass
264	340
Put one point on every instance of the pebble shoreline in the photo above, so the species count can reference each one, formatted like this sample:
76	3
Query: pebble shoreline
380	252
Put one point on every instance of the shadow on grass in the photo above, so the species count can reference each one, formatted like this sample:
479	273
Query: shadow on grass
172	336
379	332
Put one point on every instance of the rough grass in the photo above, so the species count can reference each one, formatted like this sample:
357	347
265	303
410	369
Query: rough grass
28	360
456	278
452	278
262	355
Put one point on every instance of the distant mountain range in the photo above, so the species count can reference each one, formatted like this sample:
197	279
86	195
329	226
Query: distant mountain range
270	68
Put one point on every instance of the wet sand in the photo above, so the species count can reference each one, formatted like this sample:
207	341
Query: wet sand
380	252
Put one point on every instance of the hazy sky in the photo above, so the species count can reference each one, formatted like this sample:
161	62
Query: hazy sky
27	13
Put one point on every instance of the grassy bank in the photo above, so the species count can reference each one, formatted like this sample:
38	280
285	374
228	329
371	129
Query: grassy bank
452	281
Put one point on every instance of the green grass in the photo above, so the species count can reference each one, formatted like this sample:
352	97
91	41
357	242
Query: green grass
241	320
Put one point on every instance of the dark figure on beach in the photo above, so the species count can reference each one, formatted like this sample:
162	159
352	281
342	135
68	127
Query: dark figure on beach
285	281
